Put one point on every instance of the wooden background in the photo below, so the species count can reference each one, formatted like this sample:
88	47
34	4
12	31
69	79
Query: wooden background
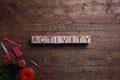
99	60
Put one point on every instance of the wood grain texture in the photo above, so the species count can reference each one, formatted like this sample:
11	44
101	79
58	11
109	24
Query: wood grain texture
100	60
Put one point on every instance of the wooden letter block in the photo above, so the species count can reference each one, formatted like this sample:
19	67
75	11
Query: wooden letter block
34	39
49	39
64	39
57	40
87	39
42	39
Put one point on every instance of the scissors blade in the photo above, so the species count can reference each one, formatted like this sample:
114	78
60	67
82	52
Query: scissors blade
4	48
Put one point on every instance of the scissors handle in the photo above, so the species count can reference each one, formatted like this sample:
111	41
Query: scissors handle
9	57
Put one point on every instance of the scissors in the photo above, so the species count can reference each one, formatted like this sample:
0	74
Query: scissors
8	57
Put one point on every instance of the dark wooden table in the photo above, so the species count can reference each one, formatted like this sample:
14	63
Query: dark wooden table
99	60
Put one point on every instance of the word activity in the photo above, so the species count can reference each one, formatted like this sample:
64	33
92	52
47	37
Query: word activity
60	39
